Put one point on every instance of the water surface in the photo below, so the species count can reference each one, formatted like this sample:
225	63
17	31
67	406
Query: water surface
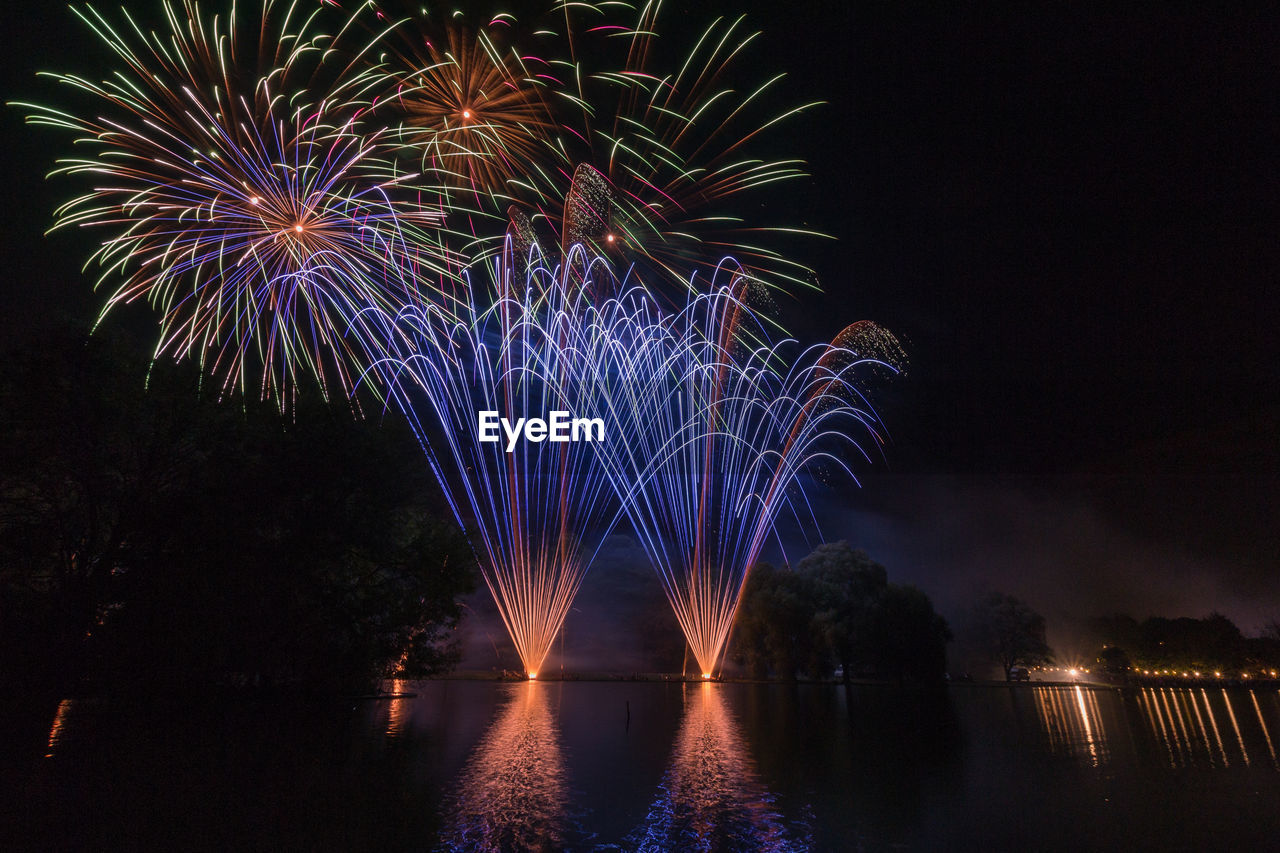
656	766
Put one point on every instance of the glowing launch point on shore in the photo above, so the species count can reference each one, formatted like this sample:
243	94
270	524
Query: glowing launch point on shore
533	676
706	675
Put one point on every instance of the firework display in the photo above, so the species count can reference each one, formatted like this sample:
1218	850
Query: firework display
234	197
663	149
536	509
474	227
713	428
467	106
258	177
590	129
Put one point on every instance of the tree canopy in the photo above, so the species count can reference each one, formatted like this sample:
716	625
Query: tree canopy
1161	644
837	611
1010	633
151	535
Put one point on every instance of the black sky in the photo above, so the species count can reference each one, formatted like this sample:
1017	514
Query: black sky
1068	211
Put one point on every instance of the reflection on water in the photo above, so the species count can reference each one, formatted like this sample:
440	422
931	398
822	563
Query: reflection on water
1199	727
1189	727
1266	730
1070	718
485	766
711	797
513	793
59	723
398	709
1186	723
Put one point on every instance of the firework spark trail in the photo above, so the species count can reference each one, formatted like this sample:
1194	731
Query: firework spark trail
711	431
537	513
581	130
248	179
467	105
670	145
251	193
237	196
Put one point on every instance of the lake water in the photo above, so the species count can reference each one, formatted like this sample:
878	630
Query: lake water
659	766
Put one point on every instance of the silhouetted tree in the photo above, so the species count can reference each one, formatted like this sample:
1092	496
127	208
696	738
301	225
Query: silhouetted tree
1188	644
1010	633
317	557
837	608
1114	661
1185	644
1117	629
1263	651
846	586
149	535
88	455
773	625
908	638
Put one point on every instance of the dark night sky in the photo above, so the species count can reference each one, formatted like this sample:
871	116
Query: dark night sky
1069	213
